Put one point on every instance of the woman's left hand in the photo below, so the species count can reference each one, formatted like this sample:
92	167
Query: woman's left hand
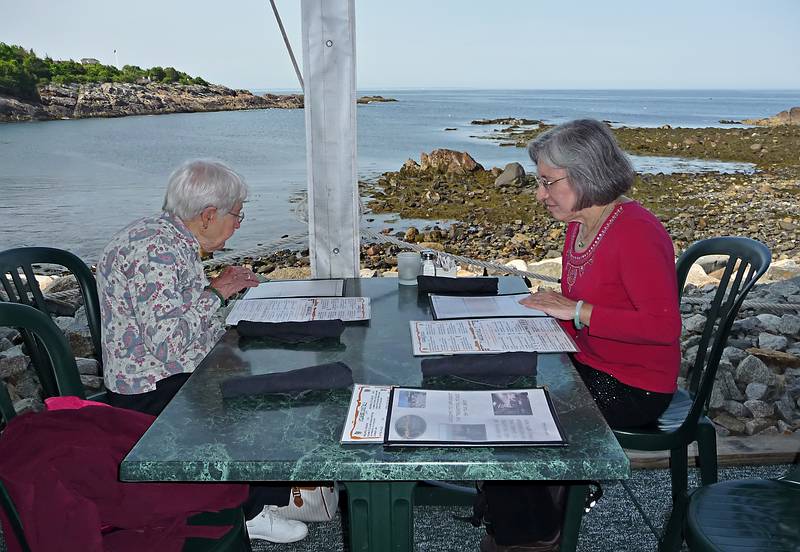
551	303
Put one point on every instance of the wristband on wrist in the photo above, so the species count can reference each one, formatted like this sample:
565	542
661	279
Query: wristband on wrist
577	318
216	292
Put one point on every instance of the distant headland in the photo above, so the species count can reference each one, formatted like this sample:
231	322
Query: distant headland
34	88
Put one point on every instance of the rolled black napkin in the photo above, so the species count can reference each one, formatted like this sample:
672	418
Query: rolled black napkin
333	375
502	364
457	286
292	332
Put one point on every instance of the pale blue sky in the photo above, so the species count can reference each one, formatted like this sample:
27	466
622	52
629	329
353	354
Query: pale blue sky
439	43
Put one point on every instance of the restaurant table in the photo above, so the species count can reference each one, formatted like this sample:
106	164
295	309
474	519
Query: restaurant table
202	437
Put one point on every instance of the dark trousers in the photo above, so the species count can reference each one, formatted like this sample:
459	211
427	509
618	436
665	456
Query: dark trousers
153	402
525	512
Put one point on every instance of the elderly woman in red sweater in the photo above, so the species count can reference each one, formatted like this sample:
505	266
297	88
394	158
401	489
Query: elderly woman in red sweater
618	300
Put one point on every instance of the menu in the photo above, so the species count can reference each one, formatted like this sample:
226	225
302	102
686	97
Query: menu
489	335
405	416
490	306
296	288
300	310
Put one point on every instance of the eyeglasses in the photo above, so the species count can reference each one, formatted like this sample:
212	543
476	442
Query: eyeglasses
239	215
544	183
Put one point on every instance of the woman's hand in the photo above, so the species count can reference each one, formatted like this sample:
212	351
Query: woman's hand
551	303
233	280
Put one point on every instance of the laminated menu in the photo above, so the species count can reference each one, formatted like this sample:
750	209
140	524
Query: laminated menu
446	307
295	288
300	310
406	416
489	335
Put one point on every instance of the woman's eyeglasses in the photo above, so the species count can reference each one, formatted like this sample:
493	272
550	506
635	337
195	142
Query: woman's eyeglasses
239	215
544	183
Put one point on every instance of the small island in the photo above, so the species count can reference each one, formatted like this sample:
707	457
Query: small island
374	99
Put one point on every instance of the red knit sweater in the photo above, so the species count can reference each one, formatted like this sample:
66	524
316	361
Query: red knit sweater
628	275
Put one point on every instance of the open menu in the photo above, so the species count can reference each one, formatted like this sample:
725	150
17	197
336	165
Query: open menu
485	306
347	309
404	416
489	335
296	288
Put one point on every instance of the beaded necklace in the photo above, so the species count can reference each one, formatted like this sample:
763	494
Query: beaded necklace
581	243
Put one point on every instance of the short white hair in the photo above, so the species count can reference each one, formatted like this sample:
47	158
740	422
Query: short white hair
201	183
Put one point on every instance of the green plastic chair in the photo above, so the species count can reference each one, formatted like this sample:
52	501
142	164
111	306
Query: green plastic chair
747	515
67	382
18	263
684	420
62	373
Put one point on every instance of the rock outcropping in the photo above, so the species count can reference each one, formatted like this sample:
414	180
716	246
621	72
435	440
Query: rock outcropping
448	161
78	101
788	117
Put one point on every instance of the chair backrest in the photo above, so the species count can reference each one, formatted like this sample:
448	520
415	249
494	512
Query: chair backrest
60	362
747	261
20	286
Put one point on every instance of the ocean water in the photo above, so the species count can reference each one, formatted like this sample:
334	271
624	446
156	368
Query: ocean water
72	184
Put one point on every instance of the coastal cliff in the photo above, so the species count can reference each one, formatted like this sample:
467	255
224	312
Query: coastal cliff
79	101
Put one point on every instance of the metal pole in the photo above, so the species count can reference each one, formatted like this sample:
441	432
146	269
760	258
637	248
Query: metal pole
286	42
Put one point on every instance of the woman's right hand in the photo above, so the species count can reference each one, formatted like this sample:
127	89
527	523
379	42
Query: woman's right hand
551	303
233	280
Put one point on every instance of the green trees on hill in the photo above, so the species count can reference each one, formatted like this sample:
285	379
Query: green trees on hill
22	70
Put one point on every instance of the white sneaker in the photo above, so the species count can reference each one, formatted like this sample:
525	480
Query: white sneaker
270	526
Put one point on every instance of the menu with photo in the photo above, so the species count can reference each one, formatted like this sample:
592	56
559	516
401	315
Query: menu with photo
433	417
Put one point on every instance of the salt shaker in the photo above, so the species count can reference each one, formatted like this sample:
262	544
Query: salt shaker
428	263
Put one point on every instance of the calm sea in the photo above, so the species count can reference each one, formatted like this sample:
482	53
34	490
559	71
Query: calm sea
72	184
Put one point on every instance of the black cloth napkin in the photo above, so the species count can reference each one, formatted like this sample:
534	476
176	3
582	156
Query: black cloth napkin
333	375
292	332
457	286
502	364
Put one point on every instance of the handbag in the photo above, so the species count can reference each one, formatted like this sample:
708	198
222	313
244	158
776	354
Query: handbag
311	503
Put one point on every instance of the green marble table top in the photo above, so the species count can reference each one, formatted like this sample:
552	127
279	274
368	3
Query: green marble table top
201	437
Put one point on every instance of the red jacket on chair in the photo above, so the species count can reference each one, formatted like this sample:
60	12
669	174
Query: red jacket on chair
61	469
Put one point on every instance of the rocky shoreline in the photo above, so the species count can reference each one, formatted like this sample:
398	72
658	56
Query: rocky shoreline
498	216
82	101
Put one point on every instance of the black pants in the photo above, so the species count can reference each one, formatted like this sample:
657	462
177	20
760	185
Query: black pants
521	513
153	402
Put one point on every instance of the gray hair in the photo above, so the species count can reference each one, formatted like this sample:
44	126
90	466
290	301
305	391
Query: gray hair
598	170
201	183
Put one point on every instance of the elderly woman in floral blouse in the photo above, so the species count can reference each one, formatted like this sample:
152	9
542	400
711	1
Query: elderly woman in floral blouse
159	311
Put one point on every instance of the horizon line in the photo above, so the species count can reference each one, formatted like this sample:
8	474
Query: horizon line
543	89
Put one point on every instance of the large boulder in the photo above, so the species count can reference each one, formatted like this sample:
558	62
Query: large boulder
782	269
449	161
698	277
512	175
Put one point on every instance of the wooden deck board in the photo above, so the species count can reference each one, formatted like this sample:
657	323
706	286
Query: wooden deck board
731	451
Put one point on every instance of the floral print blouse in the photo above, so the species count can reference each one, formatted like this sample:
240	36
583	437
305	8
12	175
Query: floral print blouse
157	317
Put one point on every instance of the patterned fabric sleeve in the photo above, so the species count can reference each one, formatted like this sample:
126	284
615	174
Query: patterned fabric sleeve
172	307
